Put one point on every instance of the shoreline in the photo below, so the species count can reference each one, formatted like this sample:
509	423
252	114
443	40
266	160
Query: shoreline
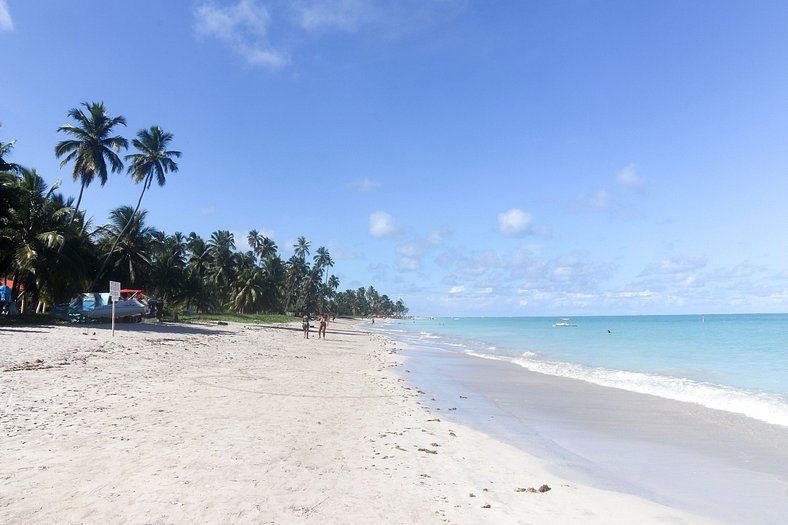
718	464
248	424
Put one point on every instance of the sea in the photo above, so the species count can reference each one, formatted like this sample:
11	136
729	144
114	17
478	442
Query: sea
736	363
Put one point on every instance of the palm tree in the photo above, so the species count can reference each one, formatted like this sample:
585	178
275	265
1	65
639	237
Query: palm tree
253	238
222	264
34	229
302	247
131	257
152	159
266	248
92	146
323	260
5	149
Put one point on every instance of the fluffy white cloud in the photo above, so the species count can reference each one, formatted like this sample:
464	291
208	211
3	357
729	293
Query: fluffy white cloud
243	27
456	289
382	225
629	176
514	223
6	23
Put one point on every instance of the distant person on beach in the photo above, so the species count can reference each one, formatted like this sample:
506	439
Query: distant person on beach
321	330
305	325
5	299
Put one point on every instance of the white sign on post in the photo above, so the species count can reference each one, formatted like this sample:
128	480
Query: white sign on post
114	290
114	293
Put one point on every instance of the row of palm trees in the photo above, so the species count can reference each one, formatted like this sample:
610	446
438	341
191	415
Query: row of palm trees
51	250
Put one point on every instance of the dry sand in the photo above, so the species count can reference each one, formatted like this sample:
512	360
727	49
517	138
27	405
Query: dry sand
252	424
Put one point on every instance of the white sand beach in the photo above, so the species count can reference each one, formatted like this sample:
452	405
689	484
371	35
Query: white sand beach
254	424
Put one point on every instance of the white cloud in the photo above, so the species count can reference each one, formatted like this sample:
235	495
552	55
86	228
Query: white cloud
331	14
456	289
208	210
6	23
678	265
410	249
597	202
382	225
261	30
629	176
409	264
514	223
439	236
244	27
365	184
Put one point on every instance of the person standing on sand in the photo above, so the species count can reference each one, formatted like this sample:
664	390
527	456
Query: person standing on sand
5	299
305	325
322	328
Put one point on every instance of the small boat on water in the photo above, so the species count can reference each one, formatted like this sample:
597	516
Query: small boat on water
563	322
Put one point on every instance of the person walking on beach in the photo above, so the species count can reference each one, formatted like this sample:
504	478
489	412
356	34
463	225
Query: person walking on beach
321	330
305	325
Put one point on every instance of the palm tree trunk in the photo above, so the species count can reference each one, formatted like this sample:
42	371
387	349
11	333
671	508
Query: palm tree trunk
73	216
120	235
79	201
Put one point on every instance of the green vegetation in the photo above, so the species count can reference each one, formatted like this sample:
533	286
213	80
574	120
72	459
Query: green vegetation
51	251
237	318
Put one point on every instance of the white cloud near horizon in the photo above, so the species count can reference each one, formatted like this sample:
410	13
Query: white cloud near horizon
514	223
244	27
6	23
382	225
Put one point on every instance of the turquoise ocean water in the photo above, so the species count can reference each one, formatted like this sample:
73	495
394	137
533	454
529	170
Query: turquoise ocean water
737	363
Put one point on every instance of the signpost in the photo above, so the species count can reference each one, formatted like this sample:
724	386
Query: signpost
114	293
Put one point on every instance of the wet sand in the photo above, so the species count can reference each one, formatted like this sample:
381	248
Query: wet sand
722	465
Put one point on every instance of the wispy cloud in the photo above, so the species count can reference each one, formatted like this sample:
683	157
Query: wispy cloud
6	23
264	32
332	14
514	223
244	27
365	184
382	225
598	201
629	176
208	210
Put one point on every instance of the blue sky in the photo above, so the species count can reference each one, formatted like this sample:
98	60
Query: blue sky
472	157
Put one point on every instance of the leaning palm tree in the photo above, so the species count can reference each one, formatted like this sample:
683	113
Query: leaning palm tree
153	159
92	146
